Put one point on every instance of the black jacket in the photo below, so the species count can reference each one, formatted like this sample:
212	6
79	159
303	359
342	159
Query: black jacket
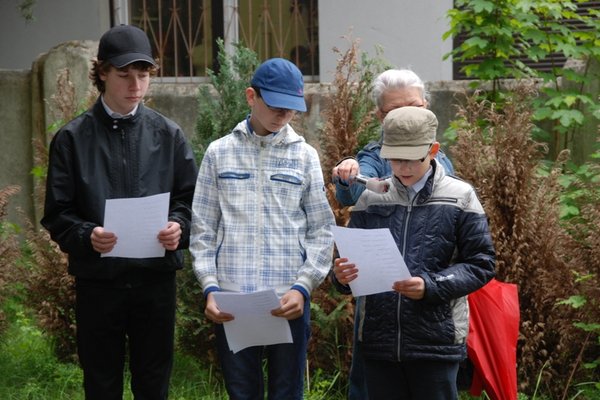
95	157
444	238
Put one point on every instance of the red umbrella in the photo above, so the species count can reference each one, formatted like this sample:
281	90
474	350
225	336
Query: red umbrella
492	340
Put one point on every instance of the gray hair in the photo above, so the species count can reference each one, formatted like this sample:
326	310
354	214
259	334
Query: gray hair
396	79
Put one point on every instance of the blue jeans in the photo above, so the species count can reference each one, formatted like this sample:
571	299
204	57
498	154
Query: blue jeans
243	371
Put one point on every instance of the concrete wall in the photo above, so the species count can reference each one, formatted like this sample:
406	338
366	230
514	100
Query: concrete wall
15	139
410	32
55	22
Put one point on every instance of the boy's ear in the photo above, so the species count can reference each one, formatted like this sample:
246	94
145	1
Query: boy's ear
251	96
434	149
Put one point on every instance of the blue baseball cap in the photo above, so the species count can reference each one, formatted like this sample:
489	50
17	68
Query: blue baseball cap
281	84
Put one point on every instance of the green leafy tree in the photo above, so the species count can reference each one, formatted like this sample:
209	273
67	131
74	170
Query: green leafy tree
564	113
500	34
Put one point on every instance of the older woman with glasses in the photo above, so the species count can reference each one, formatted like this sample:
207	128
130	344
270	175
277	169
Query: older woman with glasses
392	89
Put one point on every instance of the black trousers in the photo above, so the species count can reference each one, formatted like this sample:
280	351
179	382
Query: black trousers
139	317
411	380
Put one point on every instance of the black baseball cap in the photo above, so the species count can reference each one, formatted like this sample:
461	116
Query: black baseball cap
125	44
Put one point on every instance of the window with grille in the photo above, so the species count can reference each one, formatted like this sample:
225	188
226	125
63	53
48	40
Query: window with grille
184	32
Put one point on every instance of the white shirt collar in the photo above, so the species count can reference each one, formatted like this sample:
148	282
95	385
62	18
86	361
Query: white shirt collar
421	183
115	114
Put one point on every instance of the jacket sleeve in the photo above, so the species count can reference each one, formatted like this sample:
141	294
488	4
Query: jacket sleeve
371	165
182	193
443	159
318	240
474	263
206	214
61	219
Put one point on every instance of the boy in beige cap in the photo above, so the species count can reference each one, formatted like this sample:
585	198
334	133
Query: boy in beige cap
414	336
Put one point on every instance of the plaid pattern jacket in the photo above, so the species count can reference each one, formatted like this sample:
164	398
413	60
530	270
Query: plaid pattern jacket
260	217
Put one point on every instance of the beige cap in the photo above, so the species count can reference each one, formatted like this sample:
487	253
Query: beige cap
408	133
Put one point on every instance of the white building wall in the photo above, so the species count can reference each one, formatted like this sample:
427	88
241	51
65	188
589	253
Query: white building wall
409	32
56	22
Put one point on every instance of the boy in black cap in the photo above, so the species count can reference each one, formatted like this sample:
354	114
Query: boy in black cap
121	149
260	220
413	337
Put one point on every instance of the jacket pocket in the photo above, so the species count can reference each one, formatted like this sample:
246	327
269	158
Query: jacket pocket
287	189
234	175
287	178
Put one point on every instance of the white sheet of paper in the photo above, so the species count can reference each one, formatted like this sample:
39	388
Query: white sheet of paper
375	254
136	223
253	324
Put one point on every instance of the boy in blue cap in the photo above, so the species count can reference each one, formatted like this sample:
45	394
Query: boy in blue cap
261	220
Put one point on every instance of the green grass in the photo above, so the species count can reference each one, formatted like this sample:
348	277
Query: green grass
28	367
29	370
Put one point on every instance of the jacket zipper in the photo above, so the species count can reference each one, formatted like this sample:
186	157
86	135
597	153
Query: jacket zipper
124	164
260	222
403	251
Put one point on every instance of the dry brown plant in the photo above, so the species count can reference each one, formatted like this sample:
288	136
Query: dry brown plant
495	152
349	122
348	116
51	292
9	251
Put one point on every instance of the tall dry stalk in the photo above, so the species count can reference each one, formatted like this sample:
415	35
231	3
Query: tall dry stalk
349	116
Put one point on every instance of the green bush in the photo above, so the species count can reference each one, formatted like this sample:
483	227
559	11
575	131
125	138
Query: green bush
222	104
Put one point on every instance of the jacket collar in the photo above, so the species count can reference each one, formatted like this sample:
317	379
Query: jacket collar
114	123
425	193
285	136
